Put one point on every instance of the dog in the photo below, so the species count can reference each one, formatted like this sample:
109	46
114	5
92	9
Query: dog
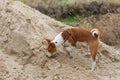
73	35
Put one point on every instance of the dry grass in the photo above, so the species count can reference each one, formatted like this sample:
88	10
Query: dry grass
56	3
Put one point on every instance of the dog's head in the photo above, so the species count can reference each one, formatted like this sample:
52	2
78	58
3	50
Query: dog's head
51	48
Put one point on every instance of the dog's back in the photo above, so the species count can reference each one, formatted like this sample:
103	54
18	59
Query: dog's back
80	34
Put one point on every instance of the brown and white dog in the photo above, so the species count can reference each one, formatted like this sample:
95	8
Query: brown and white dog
74	35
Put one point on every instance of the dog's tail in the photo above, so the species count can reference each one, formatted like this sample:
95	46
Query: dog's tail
95	32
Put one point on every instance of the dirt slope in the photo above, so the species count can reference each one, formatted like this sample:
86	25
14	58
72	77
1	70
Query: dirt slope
23	48
109	24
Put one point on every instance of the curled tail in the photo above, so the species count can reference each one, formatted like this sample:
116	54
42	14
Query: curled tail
95	32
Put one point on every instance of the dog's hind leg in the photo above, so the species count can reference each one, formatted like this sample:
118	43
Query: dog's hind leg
98	56
93	65
93	55
93	49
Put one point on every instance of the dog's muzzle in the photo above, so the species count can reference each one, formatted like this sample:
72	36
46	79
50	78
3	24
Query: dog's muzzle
48	54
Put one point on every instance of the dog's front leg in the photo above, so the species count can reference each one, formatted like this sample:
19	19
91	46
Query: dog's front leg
65	48
73	53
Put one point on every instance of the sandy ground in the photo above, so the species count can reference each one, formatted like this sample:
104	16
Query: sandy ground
23	47
61	67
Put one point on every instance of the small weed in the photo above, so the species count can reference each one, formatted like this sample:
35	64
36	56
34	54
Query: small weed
71	20
24	1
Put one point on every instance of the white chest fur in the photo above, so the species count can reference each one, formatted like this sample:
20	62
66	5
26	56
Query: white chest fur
58	39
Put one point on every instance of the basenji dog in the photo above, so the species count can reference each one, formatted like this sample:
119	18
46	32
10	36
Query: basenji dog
72	36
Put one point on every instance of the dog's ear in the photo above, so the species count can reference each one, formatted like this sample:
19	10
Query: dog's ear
52	45
48	40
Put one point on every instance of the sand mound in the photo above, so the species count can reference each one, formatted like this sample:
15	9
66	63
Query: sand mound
109	24
23	48
23	29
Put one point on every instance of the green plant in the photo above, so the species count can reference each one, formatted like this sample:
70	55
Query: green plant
71	20
24	1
